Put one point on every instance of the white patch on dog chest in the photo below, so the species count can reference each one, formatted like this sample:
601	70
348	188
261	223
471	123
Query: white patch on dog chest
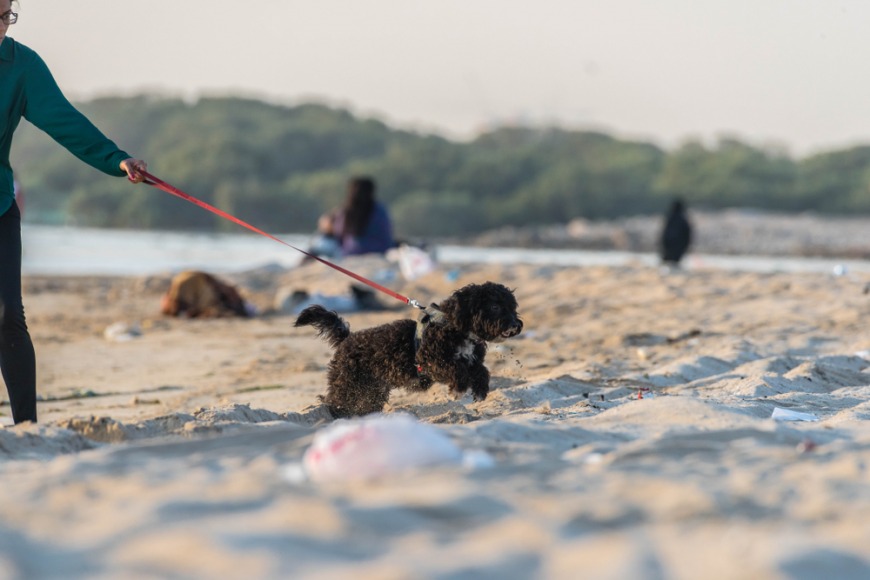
466	351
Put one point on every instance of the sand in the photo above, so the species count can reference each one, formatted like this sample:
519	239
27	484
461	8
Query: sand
630	425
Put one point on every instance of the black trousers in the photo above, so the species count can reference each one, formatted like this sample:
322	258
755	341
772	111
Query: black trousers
17	359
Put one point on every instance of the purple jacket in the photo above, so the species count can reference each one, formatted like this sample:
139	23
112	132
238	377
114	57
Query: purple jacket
377	238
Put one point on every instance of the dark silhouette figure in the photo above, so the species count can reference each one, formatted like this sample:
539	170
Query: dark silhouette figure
676	235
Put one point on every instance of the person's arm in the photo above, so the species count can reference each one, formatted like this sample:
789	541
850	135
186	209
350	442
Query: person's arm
49	110
326	223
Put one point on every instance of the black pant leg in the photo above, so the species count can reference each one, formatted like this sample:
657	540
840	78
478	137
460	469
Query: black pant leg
17	358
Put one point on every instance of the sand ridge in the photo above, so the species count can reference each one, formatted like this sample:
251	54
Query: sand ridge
630	424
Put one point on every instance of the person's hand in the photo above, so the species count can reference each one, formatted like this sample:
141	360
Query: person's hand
324	224
133	167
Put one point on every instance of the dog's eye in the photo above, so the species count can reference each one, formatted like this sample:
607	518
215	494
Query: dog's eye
494	307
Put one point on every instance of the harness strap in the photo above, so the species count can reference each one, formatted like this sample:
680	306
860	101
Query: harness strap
431	315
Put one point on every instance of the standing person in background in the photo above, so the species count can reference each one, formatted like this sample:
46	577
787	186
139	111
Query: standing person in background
676	235
361	226
28	90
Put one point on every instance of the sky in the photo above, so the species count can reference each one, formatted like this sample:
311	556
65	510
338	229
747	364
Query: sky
783	73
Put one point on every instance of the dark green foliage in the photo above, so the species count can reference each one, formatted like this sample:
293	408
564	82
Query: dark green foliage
279	167
444	214
731	174
837	182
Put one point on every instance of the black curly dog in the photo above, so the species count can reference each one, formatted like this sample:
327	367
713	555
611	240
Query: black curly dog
447	346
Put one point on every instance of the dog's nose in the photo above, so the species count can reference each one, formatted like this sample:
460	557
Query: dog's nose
517	327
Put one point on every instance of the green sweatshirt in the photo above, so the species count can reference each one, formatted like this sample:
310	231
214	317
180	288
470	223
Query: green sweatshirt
28	90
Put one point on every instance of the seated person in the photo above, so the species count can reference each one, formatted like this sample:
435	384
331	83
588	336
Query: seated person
361	226
200	295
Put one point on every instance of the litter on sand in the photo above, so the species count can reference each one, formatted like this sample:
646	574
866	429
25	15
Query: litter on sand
379	445
780	414
122	332
414	262
358	299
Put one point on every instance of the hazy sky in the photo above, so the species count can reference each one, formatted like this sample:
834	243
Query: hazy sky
789	72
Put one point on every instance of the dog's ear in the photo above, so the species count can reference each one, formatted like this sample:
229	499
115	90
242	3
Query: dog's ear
450	308
461	307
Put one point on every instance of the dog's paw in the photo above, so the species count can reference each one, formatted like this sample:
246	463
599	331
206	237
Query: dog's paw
479	395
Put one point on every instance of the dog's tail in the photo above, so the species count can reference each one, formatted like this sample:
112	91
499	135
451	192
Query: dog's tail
329	325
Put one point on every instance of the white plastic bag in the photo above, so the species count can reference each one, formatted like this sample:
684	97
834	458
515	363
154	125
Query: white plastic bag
414	262
122	332
379	445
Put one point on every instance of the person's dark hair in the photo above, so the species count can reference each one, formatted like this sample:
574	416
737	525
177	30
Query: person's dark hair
358	205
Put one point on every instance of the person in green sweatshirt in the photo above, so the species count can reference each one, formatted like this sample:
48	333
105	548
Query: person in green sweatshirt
28	90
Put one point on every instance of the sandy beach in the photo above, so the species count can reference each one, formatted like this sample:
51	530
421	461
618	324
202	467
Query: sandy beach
630	426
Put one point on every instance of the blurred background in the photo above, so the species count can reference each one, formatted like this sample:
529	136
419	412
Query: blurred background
471	115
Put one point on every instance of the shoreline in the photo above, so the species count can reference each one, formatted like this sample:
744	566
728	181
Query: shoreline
734	232
70	252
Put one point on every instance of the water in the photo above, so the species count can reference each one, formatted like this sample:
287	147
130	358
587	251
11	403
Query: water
82	251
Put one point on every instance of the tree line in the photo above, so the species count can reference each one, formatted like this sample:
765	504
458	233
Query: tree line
279	167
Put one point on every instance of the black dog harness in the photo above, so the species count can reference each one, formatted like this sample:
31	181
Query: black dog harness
431	315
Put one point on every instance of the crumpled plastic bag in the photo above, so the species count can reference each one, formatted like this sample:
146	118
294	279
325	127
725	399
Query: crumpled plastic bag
414	262
122	332
379	445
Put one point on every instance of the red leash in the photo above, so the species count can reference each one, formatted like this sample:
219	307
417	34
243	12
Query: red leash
163	186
